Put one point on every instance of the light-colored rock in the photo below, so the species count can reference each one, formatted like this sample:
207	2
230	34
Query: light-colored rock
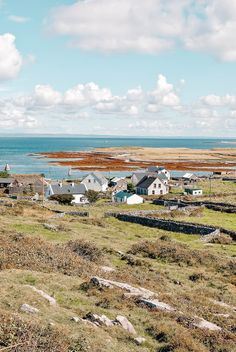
29	309
139	340
76	319
222	315
156	304
224	305
125	323
107	269
50	227
99	320
50	299
204	324
133	291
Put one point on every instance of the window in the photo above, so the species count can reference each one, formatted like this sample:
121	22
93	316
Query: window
161	192
155	185
153	192
89	181
159	185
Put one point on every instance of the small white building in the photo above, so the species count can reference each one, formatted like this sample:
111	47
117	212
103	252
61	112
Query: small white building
151	185
127	197
77	191
159	170
193	191
95	182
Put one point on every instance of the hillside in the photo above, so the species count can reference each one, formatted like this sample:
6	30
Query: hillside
47	262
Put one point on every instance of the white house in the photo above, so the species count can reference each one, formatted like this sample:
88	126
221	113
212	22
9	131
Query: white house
150	185
127	197
159	170
193	191
95	181
77	191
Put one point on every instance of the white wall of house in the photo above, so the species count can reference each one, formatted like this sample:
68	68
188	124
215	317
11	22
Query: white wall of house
79	199
156	188
135	199
93	184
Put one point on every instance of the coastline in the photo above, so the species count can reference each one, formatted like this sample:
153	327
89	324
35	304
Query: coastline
131	158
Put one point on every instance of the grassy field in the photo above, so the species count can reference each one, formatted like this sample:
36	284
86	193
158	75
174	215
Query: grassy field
182	270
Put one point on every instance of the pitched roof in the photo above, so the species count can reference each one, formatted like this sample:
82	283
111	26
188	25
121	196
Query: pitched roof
68	189
147	181
99	177
123	194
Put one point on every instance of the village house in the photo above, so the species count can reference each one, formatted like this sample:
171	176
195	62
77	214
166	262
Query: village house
77	191
189	178
26	185
159	170
95	181
127	198
152	185
118	184
193	191
5	181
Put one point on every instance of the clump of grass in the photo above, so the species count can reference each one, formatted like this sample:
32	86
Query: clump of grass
86	249
173	337
22	336
222	239
94	222
23	252
174	252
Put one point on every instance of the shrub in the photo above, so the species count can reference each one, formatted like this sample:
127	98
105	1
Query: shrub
86	250
92	196
64	199
22	252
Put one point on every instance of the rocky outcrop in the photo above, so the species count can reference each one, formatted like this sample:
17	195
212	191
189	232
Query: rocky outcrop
125	323
50	299
156	304
26	308
131	290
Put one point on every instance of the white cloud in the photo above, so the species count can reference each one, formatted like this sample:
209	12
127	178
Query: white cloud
149	26
164	94
18	19
10	58
45	95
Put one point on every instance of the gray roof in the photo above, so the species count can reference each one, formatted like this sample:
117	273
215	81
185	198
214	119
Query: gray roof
141	175
99	176
147	181
6	180
68	189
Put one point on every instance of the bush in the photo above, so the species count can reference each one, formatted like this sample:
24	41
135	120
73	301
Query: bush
86	250
64	199
92	196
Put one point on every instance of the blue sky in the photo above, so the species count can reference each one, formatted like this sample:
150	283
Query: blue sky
118	67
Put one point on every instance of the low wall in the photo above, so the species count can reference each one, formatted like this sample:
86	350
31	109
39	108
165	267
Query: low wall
172	226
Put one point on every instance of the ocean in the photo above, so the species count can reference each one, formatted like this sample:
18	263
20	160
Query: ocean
16	150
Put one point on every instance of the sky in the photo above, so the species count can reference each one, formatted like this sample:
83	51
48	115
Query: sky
118	67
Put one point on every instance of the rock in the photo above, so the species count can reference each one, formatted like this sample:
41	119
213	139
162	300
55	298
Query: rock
155	304
222	315
223	304
50	299
132	291
204	324
76	319
28	309
99	320
125	323
139	340
50	227
107	269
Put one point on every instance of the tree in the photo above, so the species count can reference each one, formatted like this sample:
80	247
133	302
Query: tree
4	174
130	187
64	199
92	196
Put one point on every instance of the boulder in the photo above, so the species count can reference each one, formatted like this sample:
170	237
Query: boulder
99	320
26	308
125	323
155	304
139	340
132	291
50	227
204	324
